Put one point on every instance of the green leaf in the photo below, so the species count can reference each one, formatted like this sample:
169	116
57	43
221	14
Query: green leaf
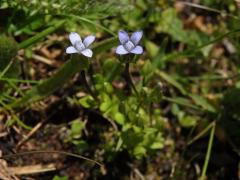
119	118
87	101
139	151
147	69
106	103
188	121
105	106
40	35
76	128
171	81
201	101
170	23
46	87
80	144
60	178
151	48
181	101
157	145
8	50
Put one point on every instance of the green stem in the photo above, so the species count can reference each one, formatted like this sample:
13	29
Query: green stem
150	112
209	149
202	133
86	85
116	68
129	79
6	69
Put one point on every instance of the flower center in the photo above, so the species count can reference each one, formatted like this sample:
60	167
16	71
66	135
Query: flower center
128	46
79	46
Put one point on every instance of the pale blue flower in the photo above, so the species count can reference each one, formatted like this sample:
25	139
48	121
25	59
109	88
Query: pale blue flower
129	45
79	46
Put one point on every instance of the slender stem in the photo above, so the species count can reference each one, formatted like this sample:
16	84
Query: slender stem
202	133
129	79
86	85
116	68
52	152
150	112
91	76
209	149
6	69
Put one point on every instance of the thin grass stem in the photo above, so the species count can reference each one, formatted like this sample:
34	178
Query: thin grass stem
87	87
50	152
129	79
209	149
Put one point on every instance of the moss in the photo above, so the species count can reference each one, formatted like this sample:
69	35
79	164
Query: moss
8	50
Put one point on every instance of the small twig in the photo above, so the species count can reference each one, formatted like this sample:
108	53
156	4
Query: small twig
37	127
139	174
34	130
208	9
43	60
52	152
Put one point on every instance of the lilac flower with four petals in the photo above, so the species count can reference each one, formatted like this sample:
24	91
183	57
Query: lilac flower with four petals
129	45
79	46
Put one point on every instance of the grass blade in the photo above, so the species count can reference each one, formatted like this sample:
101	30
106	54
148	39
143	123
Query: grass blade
40	35
71	67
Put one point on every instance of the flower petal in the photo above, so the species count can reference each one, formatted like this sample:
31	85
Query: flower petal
123	36
136	37
121	50
137	50
88	40
74	37
71	50
87	52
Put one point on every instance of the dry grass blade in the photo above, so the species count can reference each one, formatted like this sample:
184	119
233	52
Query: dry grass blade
5	172
33	169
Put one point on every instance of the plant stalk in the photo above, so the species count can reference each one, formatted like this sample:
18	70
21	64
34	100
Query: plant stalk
86	85
129	79
209	149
